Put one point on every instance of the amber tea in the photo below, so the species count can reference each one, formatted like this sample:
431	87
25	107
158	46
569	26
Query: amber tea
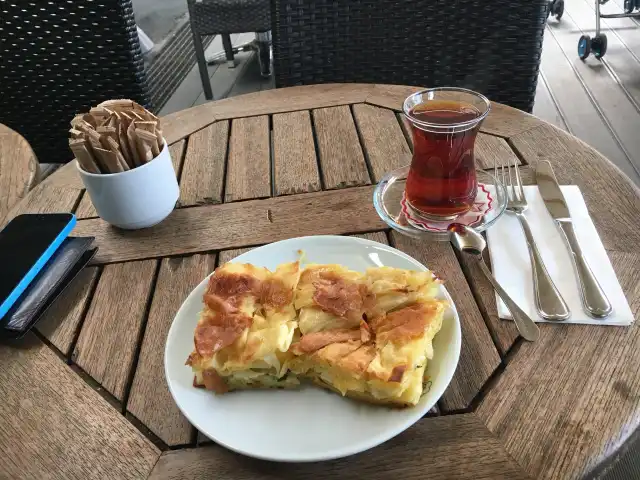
442	180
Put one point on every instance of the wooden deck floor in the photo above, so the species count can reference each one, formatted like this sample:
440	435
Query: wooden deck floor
596	100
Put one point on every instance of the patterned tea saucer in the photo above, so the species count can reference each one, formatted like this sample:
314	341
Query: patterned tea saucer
391	204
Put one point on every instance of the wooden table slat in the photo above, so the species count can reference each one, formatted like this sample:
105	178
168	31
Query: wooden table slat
406	129
55	426
382	139
504	332
341	158
45	198
65	177
202	177
150	400
183	123
629	277
380	237
233	225
228	255
60	322
493	151
85	207
249	167
202	439
455	446
478	357
109	337
177	156
19	169
294	154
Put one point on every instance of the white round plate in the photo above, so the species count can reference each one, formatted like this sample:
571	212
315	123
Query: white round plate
308	424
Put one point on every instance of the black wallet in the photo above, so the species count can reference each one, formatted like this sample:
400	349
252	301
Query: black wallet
63	266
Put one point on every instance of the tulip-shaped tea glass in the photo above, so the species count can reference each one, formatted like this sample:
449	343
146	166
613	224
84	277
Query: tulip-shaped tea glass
442	182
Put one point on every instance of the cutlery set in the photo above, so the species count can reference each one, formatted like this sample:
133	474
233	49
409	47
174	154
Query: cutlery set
549	303
594	300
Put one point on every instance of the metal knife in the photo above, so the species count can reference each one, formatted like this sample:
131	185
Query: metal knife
594	300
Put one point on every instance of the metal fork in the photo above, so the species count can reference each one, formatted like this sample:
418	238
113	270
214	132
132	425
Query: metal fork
549	303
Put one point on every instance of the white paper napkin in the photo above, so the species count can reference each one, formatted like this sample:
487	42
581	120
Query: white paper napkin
512	267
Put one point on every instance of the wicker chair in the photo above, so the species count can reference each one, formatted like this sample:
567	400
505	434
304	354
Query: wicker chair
60	58
224	17
471	43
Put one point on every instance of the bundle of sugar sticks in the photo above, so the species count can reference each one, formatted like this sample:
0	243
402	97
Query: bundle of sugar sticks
115	136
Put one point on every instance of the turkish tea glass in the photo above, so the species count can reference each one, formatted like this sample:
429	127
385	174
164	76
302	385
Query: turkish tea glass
442	184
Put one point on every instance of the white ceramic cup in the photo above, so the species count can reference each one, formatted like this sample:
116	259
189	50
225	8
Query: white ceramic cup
138	198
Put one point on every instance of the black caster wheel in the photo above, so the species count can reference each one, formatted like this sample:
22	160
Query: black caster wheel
584	46
629	5
558	9
599	45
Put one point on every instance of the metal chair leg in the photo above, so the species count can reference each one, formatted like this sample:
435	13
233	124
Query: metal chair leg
228	50
261	44
263	41
202	66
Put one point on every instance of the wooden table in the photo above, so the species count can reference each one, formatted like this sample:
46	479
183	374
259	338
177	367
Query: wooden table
19	169
85	396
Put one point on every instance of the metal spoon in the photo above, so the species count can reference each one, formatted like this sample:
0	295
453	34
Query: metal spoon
467	240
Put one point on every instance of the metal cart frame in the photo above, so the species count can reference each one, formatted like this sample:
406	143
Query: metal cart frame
598	44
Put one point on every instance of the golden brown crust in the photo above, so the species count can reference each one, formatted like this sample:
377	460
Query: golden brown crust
340	297
218	329
406	323
232	287
275	294
313	342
